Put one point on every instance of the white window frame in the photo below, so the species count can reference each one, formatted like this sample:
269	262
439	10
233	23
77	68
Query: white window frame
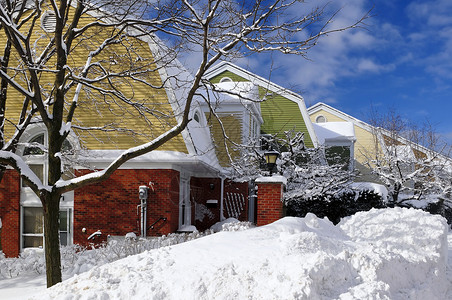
28	198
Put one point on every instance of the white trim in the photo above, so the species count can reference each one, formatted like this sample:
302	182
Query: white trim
225	79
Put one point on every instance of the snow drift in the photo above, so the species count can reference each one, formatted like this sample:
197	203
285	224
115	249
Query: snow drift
381	254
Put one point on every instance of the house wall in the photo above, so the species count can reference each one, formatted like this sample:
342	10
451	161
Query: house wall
234	77
281	114
111	206
10	213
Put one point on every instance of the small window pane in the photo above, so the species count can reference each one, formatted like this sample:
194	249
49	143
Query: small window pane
33	241
63	220
38	170
63	238
33	220
39	139
196	117
66	147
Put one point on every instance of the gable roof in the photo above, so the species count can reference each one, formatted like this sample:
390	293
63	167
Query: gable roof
177	82
268	85
340	114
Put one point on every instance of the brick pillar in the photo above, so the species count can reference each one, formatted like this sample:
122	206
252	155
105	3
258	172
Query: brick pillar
269	199
10	213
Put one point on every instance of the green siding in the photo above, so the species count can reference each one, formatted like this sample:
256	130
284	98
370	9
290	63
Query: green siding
281	114
234	77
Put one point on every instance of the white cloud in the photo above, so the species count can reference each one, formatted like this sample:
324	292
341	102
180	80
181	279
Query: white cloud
368	65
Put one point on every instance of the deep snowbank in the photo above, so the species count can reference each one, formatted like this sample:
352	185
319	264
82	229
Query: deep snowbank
382	254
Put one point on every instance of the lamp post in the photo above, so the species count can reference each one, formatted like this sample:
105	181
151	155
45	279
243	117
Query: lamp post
270	159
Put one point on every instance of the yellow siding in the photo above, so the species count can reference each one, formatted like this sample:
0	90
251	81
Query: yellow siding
329	117
97	110
232	123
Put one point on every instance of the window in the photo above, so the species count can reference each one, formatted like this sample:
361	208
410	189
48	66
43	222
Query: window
33	227
32	216
320	119
48	21
338	155
225	79
196	117
65	227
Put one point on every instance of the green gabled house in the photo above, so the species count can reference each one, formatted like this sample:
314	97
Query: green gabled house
275	109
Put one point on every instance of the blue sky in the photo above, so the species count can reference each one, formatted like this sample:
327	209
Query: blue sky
401	61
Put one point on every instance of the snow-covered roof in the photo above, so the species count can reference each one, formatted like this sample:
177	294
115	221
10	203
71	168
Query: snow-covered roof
243	92
154	159
334	132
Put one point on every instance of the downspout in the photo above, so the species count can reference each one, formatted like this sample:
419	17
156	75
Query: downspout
143	195
221	199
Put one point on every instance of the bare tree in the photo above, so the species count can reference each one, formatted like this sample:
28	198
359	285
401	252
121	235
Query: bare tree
65	59
410	160
309	171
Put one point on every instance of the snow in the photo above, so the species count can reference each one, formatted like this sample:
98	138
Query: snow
271	179
371	186
392	253
334	131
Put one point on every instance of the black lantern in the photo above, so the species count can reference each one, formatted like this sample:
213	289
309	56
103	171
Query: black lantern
270	159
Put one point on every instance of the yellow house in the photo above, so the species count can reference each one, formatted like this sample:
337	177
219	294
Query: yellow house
364	136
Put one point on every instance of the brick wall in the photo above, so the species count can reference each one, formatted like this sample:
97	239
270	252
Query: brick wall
111	206
10	213
269	204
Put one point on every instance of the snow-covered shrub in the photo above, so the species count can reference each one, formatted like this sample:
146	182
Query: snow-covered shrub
31	260
237	226
76	259
231	224
335	207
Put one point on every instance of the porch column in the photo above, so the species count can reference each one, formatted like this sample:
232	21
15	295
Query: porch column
269	199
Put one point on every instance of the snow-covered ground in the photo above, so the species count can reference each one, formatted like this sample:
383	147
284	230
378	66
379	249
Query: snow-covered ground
382	254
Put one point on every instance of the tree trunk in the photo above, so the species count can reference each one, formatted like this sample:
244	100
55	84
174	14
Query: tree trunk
51	205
